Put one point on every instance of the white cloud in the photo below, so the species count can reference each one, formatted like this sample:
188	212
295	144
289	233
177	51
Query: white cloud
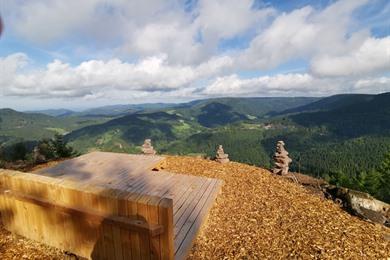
171	38
373	56
296	84
175	52
91	77
304	33
43	21
279	84
135	28
372	85
228	18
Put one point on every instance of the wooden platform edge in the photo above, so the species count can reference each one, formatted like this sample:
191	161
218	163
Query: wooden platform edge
97	190
123	222
160	165
184	252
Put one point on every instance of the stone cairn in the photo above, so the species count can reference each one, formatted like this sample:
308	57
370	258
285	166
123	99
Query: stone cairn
281	159
221	156
147	147
37	156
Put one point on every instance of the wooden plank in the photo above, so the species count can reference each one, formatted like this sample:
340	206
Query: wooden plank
183	249
153	184
90	199
124	234
163	186
116	231
190	215
144	238
94	216
134	236
6	212
186	210
166	219
153	214
181	202
87	230
101	167
177	183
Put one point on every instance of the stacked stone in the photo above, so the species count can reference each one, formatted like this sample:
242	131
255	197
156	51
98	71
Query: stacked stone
147	147
221	156
37	156
282	160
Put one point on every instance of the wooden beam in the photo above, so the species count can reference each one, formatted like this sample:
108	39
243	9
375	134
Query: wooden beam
123	222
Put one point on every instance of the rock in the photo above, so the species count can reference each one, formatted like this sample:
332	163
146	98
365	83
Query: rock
221	156
282	160
38	157
147	147
361	204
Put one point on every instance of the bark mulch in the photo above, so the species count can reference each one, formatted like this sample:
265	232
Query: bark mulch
16	247
257	216
261	216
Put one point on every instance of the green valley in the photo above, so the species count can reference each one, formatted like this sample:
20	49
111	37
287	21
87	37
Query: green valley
342	138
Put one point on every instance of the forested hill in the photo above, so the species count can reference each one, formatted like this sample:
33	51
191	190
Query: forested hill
29	126
18	126
342	138
53	112
250	107
370	115
330	103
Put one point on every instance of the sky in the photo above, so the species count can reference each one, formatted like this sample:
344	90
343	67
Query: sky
79	54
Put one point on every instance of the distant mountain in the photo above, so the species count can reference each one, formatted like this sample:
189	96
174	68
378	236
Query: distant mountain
173	123
342	138
361	115
253	107
28	126
127	132
330	103
216	114
222	111
16	125
53	112
121	110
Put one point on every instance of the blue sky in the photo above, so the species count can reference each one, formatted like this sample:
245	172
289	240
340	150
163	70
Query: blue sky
79	54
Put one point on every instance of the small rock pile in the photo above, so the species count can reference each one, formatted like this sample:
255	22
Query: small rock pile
147	147
221	156
282	160
38	157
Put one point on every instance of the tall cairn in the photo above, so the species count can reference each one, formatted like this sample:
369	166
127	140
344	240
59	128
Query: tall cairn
282	160
147	147
221	156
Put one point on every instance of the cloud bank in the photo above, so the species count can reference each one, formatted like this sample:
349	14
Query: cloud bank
191	49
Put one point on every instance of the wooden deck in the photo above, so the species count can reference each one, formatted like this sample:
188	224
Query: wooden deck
192	196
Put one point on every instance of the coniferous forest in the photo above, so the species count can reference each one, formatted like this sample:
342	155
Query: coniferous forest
344	139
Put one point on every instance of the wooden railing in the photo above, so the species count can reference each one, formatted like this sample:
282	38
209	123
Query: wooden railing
92	222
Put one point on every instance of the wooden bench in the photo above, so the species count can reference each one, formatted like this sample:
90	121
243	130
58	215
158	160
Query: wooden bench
108	206
88	221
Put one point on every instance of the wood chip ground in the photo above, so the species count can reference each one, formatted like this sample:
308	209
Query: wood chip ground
18	248
257	216
261	216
